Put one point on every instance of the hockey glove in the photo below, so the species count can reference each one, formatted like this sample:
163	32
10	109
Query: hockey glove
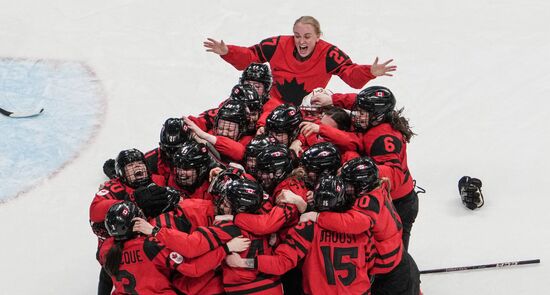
109	168
470	192
154	199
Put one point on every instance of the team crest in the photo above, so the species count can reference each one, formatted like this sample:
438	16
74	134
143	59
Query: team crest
176	257
103	192
323	153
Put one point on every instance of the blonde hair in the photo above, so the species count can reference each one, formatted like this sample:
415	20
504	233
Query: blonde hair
310	20
298	173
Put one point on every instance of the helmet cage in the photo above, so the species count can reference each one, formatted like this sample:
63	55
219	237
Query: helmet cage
259	73
362	174
330	195
127	157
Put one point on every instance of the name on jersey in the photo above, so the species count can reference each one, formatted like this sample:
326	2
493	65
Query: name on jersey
129	257
334	237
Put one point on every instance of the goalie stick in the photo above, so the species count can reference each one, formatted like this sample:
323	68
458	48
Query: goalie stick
493	265
21	114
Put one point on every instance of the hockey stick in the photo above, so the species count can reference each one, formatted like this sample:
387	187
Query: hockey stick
493	265
21	114
20	73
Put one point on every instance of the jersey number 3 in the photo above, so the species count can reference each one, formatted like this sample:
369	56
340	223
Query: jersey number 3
129	287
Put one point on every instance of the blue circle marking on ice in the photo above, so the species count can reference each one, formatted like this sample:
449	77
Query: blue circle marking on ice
32	149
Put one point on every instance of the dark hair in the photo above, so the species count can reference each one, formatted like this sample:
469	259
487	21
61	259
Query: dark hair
340	116
113	258
400	124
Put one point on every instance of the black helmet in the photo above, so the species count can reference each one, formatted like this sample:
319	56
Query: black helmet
126	157
233	111
320	157
172	136
248	95
254	147
244	195
378	101
273	159
361	173
330	195
220	182
259	73
118	220
193	155
284	119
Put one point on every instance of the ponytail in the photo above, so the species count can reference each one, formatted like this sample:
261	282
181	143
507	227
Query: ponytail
298	173
113	258
401	124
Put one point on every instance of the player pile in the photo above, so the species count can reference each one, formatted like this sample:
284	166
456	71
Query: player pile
249	199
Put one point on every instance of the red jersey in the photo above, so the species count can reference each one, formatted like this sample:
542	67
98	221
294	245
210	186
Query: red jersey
386	146
146	266
344	100
232	150
187	217
334	263
207	119
338	137
235	280
114	191
247	281
372	212
200	192
274	218
157	164
292	78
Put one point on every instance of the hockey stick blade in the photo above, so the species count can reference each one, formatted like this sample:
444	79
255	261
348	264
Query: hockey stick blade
493	265
20	115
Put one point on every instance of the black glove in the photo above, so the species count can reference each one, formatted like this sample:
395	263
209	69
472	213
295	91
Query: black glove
154	199
470	192
109	168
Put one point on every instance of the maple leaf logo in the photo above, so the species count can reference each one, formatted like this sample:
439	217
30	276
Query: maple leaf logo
292	92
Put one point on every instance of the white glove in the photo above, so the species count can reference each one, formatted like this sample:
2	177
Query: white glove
322	93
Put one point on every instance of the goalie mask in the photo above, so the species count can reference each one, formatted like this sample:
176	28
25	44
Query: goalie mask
273	164
372	107
247	94
360	176
172	136
330	195
131	169
231	120
253	148
258	75
241	196
283	123
320	159
191	165
118	220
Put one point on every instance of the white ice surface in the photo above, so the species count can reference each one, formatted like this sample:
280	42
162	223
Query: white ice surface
473	76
